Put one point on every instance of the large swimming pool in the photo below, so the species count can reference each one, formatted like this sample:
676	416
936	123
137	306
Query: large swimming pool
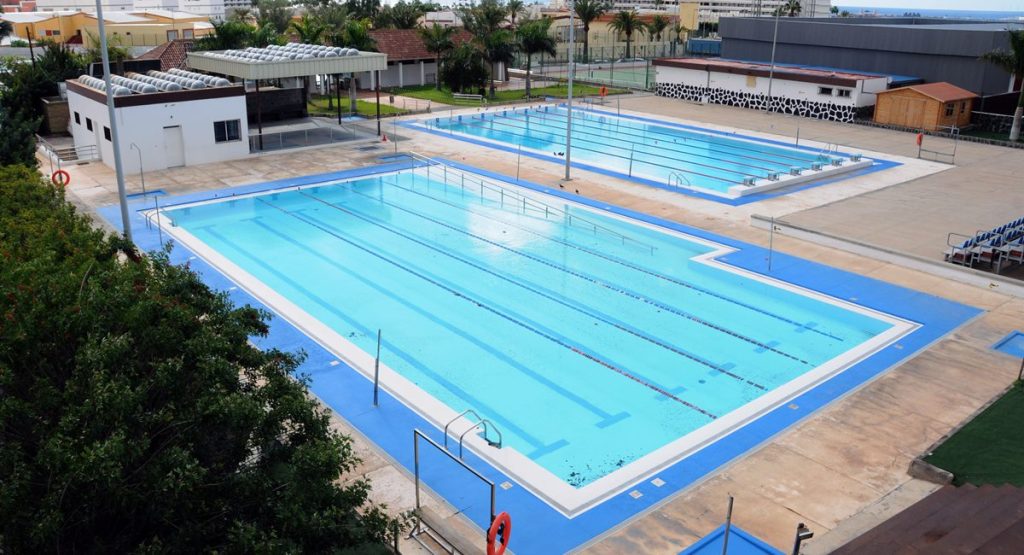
600	348
674	156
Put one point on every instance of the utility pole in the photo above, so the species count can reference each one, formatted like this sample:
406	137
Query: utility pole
122	196
568	121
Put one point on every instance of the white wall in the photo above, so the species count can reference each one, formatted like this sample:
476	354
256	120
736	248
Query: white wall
861	95
84	5
143	125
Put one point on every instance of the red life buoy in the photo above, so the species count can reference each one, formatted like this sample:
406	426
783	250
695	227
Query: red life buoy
920	138
499	534
603	91
63	182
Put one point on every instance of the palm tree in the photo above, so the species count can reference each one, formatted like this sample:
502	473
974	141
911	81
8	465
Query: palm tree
1012	61
308	30
834	10
484	20
657	26
6	29
514	7
588	11
627	22
534	38
499	48
792	8
438	41
677	35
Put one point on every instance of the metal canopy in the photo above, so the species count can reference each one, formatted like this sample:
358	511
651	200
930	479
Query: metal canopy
252	69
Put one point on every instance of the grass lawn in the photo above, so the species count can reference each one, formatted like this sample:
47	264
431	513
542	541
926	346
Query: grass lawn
318	106
444	96
990	448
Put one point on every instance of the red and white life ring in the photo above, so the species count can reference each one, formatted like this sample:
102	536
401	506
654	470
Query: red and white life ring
62	182
920	138
499	533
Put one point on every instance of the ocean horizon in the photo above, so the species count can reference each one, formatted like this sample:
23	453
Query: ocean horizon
950	14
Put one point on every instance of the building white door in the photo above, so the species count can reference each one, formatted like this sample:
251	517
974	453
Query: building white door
174	147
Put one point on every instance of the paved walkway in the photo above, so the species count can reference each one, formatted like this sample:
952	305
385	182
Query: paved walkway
841	470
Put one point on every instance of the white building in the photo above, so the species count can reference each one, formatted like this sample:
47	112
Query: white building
169	119
712	10
816	93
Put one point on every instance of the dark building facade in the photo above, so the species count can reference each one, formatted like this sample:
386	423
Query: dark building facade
932	49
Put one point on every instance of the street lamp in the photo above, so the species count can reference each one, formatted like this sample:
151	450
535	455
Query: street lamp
568	121
122	195
142	175
803	533
771	70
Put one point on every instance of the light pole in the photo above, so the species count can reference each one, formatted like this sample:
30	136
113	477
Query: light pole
803	533
142	175
771	70
122	196
568	121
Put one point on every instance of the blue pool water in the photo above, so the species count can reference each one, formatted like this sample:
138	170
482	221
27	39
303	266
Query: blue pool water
670	155
590	341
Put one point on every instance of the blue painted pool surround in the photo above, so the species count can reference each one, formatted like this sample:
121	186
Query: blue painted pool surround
878	165
538	527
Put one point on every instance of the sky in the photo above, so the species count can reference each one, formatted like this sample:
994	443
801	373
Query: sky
976	5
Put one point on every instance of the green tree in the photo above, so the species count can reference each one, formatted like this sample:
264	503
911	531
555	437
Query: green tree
18	142
6	29
844	13
1012	61
535	38
137	417
514	8
357	35
791	8
465	69
231	34
60	63
362	9
834	10
117	52
657	26
308	29
678	29
588	11
402	15
276	13
628	23
438	41
484	21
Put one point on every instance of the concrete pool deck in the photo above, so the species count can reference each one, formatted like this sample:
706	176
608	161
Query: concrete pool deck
842	469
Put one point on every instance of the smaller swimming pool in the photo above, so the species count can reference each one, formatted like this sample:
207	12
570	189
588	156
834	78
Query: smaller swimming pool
676	157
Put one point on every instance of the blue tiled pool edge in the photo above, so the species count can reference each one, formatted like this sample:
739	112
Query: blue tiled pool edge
878	165
539	528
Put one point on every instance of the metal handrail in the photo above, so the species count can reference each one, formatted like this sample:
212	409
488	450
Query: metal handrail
484	423
527	200
680	178
460	415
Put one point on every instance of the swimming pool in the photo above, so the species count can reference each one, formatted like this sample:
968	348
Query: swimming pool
601	348
719	164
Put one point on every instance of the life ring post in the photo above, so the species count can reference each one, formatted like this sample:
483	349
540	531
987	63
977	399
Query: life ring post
60	178
499	534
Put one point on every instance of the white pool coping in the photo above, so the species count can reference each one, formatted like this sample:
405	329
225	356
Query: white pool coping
568	500
846	164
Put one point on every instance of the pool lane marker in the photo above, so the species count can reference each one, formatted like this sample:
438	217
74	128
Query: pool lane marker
498	313
604	284
635	333
630	265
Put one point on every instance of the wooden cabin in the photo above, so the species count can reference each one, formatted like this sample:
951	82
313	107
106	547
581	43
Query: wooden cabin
929	106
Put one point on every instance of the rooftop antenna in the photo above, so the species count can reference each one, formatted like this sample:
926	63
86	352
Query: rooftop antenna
122	197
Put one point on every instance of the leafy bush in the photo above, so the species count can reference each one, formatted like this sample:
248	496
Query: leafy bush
135	415
465	70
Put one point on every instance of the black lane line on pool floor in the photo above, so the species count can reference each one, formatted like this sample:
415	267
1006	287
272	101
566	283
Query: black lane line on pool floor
604	284
630	265
498	313
685	354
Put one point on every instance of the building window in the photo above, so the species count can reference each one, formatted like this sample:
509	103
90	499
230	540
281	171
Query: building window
78	118
224	131
963	106
843	93
188	34
88	124
825	91
949	109
106	133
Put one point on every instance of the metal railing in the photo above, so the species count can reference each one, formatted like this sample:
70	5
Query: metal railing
676	179
515	198
320	135
76	153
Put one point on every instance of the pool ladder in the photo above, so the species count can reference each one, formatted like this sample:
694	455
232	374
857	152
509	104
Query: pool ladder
481	423
521	199
677	179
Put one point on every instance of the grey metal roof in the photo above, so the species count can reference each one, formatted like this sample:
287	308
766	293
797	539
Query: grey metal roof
290	60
